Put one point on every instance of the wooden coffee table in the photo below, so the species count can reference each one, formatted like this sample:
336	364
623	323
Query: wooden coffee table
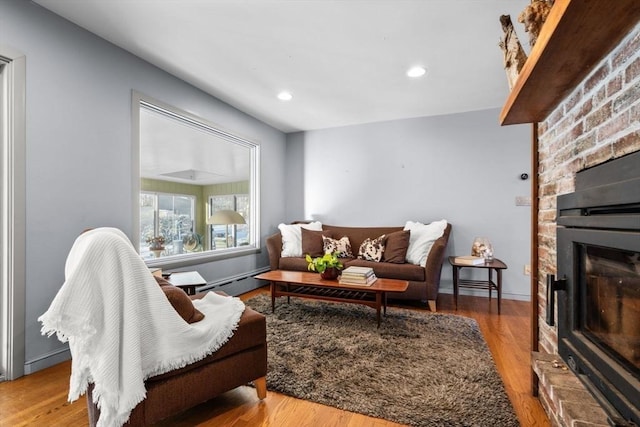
310	285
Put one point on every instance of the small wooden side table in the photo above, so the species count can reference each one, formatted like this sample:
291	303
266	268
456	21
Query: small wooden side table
489	284
187	281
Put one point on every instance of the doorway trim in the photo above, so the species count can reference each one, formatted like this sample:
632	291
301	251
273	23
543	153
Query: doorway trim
12	213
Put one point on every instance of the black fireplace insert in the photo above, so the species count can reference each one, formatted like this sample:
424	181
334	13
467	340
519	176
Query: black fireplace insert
598	253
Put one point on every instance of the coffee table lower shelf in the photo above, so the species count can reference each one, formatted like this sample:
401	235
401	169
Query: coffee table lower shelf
371	299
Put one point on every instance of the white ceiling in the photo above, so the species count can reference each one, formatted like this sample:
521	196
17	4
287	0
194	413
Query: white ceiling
344	61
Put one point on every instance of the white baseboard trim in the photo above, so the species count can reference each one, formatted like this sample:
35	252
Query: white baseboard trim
47	360
230	283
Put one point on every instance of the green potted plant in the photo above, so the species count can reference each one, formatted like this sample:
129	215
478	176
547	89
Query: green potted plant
327	265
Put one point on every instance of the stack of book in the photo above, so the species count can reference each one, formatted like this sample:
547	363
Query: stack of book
362	276
469	260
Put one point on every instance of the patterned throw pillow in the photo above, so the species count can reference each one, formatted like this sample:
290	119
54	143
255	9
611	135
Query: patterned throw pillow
341	246
372	249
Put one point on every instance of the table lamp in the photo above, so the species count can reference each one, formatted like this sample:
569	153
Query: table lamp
226	217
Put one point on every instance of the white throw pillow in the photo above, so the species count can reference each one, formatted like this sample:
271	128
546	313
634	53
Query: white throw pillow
421	240
292	237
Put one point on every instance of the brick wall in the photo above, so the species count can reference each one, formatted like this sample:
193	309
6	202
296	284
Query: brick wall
597	122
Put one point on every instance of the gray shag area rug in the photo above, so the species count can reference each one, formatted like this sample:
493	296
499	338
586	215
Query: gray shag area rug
419	368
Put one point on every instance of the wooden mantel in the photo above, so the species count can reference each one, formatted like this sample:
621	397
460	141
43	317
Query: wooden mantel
575	37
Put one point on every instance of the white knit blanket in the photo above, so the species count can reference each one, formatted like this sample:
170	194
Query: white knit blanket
120	326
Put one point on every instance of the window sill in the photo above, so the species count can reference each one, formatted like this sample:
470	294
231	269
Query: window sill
183	260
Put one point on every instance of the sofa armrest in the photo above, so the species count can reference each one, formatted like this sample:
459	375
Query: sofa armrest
433	267
274	248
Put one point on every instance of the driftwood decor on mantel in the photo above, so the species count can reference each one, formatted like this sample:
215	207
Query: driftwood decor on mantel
533	17
514	56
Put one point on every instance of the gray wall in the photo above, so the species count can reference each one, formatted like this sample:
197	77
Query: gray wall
78	167
295	185
464	168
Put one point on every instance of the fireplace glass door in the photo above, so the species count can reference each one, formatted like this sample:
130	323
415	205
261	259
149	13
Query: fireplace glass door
610	317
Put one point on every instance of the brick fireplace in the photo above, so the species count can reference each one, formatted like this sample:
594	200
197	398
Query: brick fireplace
597	122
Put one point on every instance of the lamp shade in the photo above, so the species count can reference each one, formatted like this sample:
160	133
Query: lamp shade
225	217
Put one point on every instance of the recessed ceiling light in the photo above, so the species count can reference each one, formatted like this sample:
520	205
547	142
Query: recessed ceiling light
416	71
285	96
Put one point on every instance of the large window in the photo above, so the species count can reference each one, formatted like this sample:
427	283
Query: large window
167	225
186	170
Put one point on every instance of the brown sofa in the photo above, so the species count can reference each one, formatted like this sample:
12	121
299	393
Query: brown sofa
424	282
241	360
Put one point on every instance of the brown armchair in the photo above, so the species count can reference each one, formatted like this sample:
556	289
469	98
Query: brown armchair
241	360
128	332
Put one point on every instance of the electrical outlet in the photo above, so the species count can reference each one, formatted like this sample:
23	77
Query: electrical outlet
527	270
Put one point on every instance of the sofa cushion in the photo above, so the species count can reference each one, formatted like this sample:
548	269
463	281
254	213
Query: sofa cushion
341	247
293	263
292	237
395	248
180	301
409	272
372	249
312	242
421	239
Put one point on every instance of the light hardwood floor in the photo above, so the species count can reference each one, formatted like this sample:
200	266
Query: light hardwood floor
39	399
